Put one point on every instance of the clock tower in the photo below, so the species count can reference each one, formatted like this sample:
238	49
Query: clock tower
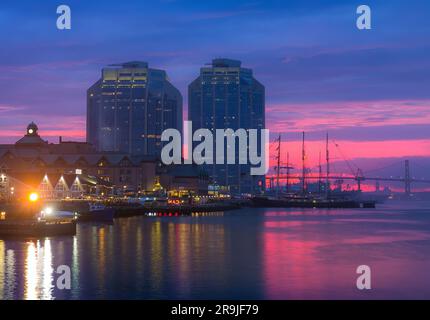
31	137
32	130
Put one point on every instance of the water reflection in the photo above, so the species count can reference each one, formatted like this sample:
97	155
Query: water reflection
248	254
315	257
290	264
31	275
156	256
2	270
38	271
10	275
75	267
47	271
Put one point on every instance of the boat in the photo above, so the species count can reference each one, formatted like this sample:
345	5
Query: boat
307	199
38	227
304	202
378	197
28	219
97	212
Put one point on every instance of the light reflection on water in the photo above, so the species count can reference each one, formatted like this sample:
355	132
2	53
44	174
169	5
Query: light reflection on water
38	276
247	254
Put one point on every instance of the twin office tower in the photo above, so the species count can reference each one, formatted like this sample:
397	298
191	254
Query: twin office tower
132	104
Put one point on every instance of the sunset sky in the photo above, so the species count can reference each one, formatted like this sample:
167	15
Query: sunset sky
369	89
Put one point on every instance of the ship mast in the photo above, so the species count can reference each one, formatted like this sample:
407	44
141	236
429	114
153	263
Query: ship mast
327	186
279	166
303	164
288	172
319	174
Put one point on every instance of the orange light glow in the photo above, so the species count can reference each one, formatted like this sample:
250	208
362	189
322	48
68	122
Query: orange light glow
33	197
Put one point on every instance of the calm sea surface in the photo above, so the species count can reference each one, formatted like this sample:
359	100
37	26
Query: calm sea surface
245	254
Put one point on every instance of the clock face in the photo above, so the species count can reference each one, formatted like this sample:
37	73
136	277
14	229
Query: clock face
30	131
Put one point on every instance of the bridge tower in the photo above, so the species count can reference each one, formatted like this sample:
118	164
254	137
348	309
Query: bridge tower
407	178
359	177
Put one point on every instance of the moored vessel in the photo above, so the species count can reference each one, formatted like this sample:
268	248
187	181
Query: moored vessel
38	227
33	218
97	212
303	202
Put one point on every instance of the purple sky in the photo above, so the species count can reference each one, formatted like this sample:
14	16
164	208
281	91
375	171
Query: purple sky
369	89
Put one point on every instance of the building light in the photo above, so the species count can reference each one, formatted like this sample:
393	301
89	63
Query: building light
33	197
78	171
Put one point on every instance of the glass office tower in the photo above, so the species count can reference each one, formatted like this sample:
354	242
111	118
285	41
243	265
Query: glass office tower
225	95
129	107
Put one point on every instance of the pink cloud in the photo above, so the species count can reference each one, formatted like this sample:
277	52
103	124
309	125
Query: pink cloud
351	150
326	116
50	128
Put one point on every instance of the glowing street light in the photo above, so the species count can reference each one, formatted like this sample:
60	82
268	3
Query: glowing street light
33	197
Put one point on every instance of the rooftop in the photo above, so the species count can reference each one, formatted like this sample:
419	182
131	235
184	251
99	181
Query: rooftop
131	64
226	63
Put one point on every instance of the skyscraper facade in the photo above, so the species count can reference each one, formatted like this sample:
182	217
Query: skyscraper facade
227	96
129	107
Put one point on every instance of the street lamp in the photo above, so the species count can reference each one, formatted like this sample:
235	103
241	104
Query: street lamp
33	197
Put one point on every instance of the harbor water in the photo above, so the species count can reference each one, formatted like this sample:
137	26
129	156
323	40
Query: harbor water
241	254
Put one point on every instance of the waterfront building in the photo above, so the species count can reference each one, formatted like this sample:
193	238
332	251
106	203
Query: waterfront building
224	96
70	169
183	180
129	107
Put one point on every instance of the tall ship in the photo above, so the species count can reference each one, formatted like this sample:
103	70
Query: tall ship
305	199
